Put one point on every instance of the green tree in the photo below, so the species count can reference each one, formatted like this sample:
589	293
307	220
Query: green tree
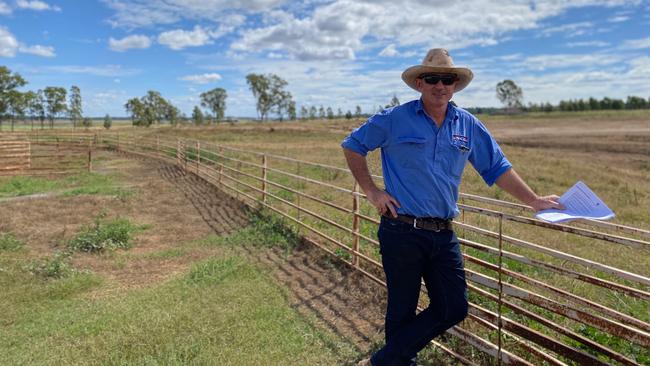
197	116
339	113
55	98
39	107
151	108
16	106
87	122
357	112
312	112
348	115
635	103
9	82
30	105
291	110
321	112
304	113
330	113
74	106
510	94
215	100
270	94
393	102
108	122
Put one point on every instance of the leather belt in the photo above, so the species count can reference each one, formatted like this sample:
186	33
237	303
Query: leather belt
427	223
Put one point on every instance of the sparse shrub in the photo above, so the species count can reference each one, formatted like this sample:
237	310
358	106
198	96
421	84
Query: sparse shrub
100	236
9	242
56	266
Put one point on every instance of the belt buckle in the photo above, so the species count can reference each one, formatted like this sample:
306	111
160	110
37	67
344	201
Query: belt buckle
415	223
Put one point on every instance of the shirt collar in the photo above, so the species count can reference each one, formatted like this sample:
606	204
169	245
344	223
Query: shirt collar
451	115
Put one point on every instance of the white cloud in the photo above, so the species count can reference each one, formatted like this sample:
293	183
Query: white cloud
178	39
44	51
36	5
99	70
588	44
342	28
202	79
9	46
558	61
148	13
133	41
8	43
618	19
637	44
4	8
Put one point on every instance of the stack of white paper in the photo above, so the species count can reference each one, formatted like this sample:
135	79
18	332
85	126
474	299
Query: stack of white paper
580	203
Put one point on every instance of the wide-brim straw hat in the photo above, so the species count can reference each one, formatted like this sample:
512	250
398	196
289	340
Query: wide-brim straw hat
438	60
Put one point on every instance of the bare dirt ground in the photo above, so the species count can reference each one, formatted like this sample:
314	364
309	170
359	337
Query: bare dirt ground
180	208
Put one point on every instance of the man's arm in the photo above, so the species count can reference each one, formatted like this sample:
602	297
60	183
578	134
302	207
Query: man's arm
512	183
379	198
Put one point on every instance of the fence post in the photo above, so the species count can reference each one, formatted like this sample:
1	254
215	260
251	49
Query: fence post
355	224
90	156
220	149
264	175
499	322
198	157
178	152
29	155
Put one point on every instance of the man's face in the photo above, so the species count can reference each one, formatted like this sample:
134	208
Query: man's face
434	88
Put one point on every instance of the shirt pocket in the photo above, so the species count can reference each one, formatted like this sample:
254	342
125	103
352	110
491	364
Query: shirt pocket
411	151
455	157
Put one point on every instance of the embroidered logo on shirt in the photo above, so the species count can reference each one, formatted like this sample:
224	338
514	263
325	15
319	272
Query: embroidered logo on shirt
460	138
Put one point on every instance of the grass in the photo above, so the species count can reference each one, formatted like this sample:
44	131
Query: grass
8	242
73	185
105	235
222	311
23	186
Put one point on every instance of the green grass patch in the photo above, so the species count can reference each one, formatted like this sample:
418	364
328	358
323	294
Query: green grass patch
56	266
94	183
8	242
168	253
24	186
105	235
265	230
224	311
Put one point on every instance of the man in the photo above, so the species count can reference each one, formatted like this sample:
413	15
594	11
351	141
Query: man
424	147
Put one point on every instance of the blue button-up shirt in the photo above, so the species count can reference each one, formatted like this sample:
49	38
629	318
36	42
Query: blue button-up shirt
422	164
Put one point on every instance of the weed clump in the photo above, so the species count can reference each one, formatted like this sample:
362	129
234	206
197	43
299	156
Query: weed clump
9	242
56	266
103	235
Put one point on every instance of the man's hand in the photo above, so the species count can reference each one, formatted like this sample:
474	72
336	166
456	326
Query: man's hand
383	201
546	202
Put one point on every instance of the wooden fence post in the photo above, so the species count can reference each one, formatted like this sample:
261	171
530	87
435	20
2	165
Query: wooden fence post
264	175
220	149
198	157
178	152
355	223
90	156
29	155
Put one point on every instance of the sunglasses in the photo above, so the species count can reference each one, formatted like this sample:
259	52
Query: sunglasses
447	79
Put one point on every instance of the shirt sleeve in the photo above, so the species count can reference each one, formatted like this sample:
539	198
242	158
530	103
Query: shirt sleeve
486	155
369	136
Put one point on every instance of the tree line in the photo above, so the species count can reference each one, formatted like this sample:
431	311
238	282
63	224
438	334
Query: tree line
512	96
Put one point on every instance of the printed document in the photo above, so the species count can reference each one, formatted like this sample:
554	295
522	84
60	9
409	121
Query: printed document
580	203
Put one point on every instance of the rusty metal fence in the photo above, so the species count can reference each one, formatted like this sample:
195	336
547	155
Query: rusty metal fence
540	293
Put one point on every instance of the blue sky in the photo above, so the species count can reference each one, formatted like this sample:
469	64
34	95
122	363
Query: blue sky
338	53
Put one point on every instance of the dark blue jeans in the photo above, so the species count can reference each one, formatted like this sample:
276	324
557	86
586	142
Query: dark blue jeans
408	256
